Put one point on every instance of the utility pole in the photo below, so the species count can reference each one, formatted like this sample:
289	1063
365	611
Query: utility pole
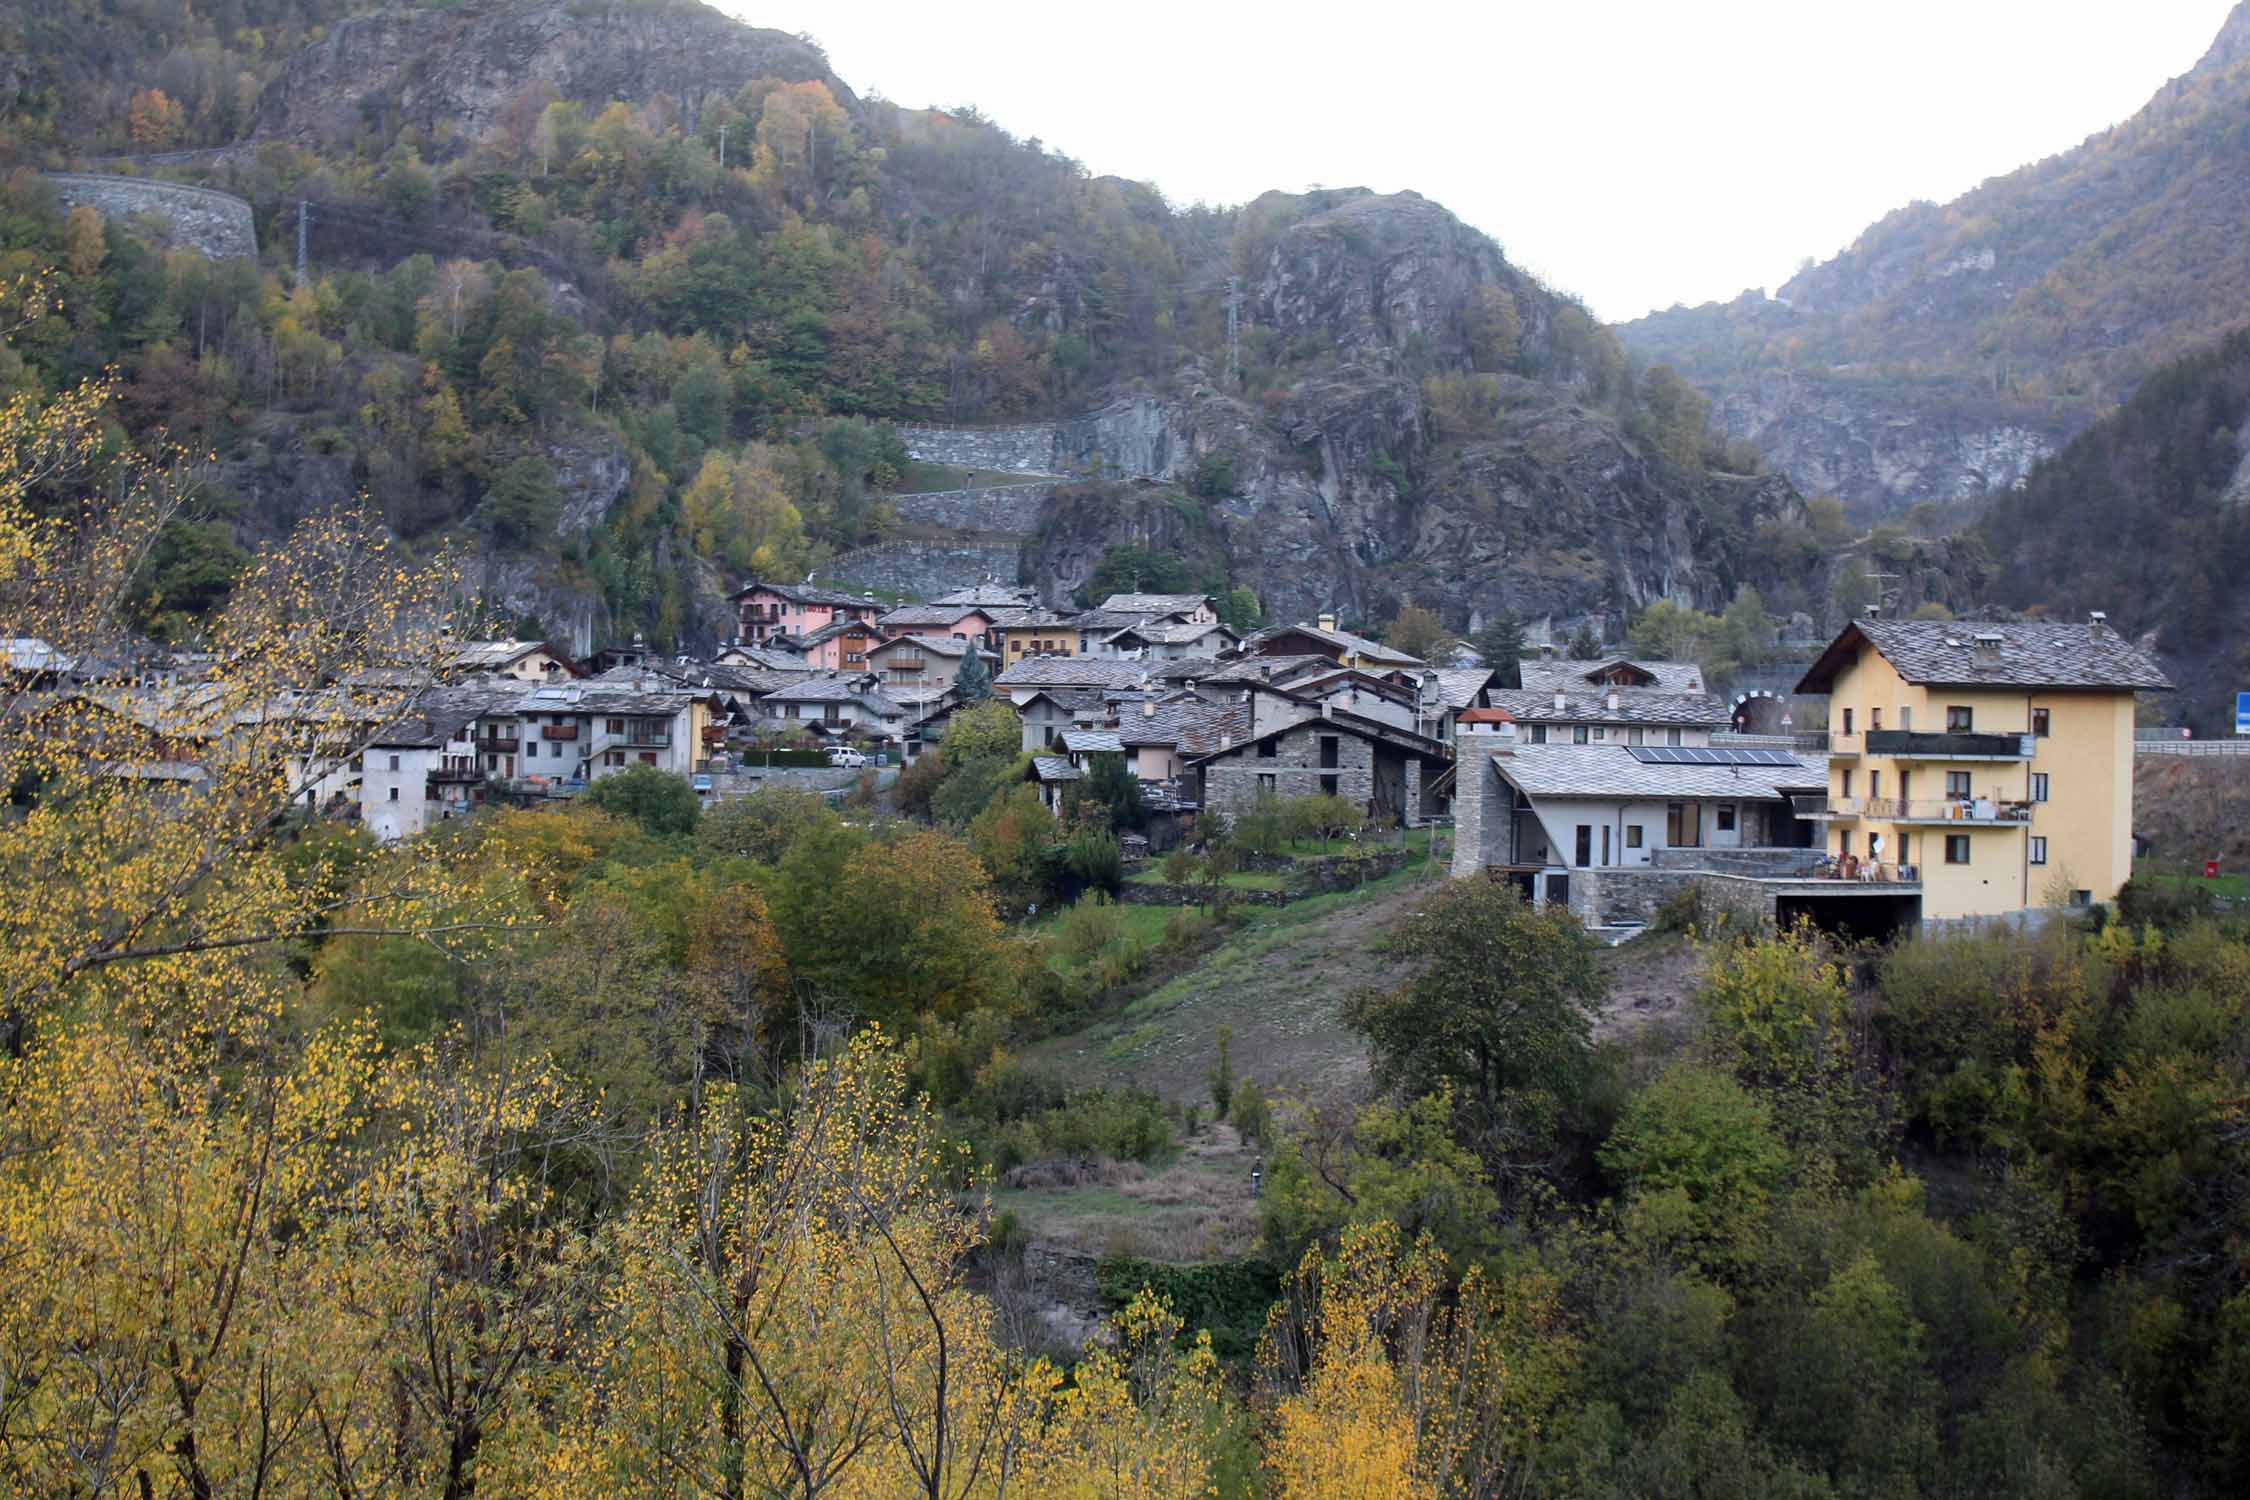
304	235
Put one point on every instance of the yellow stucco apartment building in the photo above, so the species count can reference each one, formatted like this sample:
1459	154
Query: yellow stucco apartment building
1995	759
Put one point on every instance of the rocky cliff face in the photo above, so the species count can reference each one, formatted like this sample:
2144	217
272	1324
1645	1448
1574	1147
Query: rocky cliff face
460	67
1343	496
1951	346
1557	517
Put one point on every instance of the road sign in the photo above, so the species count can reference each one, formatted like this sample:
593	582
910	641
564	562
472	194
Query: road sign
2242	713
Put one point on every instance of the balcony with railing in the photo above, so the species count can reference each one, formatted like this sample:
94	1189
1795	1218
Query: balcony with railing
558	731
1905	744
1967	811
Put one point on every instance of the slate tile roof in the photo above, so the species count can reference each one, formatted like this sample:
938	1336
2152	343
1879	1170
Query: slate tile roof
2020	654
1549	673
1610	771
805	593
1055	768
1634	706
1091	741
837	690
990	595
1073	671
908	617
1343	642
1459	686
1157	604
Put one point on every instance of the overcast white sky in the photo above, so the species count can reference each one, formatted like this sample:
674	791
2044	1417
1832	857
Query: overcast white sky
1637	152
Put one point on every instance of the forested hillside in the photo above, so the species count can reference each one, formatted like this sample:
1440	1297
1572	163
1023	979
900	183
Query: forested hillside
2143	515
1951	345
609	289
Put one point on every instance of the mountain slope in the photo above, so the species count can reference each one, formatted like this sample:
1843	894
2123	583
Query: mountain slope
1950	346
624	293
2169	473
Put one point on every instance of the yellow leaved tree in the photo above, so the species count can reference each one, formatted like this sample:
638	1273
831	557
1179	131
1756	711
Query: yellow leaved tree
1385	1377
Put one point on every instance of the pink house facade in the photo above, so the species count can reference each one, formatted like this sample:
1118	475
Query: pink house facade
765	610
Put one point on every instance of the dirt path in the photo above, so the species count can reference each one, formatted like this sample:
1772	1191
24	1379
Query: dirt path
1650	980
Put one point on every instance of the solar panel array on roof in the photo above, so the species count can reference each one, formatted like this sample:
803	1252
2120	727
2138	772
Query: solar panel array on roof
1708	755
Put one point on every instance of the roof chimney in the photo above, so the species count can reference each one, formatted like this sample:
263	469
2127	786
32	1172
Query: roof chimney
1562	700
1148	708
2095	620
1328	622
1612	700
1226	742
1986	650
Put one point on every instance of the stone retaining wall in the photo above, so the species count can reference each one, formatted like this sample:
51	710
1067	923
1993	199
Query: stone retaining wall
921	570
1317	877
215	225
1004	510
744	780
1617	896
1027	449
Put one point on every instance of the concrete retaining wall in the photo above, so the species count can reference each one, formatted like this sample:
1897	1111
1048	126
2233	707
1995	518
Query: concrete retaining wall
216	225
1769	864
1006	510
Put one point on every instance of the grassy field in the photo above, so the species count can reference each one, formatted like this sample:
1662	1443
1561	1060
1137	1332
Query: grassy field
1240	880
1279	981
1196	1207
2234	887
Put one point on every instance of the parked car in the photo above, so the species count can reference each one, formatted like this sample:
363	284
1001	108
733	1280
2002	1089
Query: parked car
701	783
845	757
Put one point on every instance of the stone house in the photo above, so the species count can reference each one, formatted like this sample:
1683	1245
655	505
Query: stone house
1378	766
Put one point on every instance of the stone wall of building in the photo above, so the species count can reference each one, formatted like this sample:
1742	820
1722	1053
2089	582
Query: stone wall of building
1233	783
1004	510
215	225
921	570
1025	449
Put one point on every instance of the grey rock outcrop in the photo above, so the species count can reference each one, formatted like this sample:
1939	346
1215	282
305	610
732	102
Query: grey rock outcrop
1836	437
462	67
